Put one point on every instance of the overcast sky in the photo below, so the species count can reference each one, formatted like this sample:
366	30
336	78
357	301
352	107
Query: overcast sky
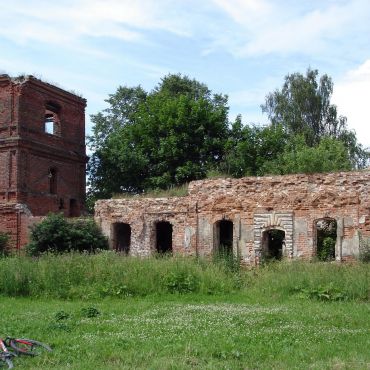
242	48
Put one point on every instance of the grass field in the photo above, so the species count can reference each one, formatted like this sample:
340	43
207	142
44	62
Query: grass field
259	319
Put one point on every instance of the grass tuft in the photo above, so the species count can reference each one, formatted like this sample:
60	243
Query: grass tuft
107	274
173	191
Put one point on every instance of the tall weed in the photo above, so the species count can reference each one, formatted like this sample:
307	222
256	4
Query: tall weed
107	274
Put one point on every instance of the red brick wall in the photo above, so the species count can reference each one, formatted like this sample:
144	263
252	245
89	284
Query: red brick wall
28	154
291	203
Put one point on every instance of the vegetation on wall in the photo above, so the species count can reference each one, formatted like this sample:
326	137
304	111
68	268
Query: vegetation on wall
180	131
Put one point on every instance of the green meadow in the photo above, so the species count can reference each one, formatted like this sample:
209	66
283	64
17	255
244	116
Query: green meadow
106	311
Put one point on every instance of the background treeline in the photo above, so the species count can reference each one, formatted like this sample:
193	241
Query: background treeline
180	131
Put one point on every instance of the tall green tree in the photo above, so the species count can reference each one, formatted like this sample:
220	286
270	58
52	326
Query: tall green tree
303	107
167	137
305	133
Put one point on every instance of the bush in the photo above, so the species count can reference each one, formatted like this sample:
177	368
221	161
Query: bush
4	243
57	234
327	249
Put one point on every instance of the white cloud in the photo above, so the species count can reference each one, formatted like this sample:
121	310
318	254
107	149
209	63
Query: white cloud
66	22
246	12
240	27
351	95
282	27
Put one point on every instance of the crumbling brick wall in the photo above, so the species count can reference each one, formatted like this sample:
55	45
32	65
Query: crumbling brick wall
42	151
253	206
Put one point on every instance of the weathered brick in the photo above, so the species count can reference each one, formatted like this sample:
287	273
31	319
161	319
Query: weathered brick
40	172
254	205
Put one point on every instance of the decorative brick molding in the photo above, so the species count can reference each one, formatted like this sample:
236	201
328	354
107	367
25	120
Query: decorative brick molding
275	220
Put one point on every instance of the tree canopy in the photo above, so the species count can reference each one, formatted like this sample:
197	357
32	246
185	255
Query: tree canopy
302	106
180	131
167	137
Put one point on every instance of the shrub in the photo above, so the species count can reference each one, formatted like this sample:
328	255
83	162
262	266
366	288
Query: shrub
327	250
4	243
57	234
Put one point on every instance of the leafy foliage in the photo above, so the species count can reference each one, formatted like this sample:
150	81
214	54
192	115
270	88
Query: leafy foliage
303	107
180	132
56	234
168	137
328	156
327	249
4	243
249	148
326	230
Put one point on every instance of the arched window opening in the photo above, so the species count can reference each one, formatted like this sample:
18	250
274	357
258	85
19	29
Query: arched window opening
273	244
122	237
53	180
223	238
163	237
51	119
326	238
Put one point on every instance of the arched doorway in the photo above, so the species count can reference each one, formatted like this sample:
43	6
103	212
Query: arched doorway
163	237
223	237
273	244
122	237
326	238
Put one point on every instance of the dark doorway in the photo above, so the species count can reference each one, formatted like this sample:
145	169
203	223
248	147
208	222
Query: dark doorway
53	180
122	237
163	237
326	237
73	208
224	236
273	244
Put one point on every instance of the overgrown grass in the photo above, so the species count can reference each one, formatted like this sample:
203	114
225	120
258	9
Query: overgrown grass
318	280
173	191
110	275
108	311
76	275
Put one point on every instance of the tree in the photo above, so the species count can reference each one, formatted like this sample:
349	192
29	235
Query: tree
167	137
328	156
250	147
303	107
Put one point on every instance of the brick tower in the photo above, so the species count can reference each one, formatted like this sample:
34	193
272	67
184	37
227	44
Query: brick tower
42	153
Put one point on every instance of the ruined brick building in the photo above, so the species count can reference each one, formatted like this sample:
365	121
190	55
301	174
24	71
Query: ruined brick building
42	153
254	217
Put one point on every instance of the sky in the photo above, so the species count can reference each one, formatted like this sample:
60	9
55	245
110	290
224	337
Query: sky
242	48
